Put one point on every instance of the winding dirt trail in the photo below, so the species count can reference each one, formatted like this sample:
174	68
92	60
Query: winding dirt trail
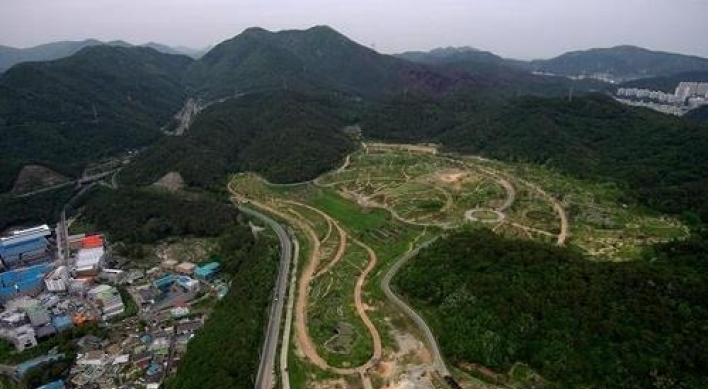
308	275
305	343
341	249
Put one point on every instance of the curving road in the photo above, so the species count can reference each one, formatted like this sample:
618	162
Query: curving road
266	368
438	361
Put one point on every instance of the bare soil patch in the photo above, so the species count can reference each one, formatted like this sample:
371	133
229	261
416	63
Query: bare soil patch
34	177
171	181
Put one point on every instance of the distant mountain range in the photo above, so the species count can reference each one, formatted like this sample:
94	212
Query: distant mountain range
10	56
620	63
108	97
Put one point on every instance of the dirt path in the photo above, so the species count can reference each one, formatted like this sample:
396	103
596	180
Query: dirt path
305	342
342	237
565	228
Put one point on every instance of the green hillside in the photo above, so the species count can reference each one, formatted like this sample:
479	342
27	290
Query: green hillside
47	108
287	137
579	323
660	159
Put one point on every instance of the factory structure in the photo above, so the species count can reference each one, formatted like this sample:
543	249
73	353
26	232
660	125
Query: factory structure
52	282
46	288
687	96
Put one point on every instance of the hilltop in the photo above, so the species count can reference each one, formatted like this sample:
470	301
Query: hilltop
318	59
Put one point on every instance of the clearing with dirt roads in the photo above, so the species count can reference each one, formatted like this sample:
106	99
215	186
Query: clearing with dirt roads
359	223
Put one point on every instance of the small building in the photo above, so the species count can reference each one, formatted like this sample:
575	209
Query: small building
75	242
23	338
62	323
169	264
179	312
188	284
108	300
114	276
55	281
10	320
91	358
45	332
207	271
186	268
92	241
164	284
38	315
89	261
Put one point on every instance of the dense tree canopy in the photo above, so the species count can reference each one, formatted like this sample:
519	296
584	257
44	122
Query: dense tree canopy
148	215
579	323
287	137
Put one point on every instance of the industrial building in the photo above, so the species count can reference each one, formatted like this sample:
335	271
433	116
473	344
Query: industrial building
25	247
23	282
207	271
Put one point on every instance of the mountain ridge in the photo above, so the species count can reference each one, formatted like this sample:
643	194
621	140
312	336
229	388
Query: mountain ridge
10	56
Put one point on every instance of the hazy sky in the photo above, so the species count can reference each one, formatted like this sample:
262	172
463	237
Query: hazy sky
513	28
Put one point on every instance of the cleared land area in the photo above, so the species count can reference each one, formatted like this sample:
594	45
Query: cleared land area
355	222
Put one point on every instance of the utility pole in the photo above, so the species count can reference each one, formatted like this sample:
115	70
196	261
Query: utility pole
570	94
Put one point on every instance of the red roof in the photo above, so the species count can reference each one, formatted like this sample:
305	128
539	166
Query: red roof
92	241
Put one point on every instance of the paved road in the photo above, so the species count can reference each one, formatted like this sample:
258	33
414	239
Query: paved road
438	361
266	369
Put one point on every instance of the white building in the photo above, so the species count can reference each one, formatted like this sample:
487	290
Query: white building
55	281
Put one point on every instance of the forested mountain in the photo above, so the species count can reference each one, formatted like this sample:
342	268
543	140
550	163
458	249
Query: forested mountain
315	60
10	56
621	62
659	158
64	113
505	76
285	136
496	301
452	54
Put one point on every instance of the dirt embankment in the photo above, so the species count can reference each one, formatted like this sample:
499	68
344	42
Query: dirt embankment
35	177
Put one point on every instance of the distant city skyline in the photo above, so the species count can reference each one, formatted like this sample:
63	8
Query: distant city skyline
523	29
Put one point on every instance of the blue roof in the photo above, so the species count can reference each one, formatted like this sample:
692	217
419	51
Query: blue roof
62	322
9	250
207	269
26	274
53	385
23	279
153	369
164	281
26	366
